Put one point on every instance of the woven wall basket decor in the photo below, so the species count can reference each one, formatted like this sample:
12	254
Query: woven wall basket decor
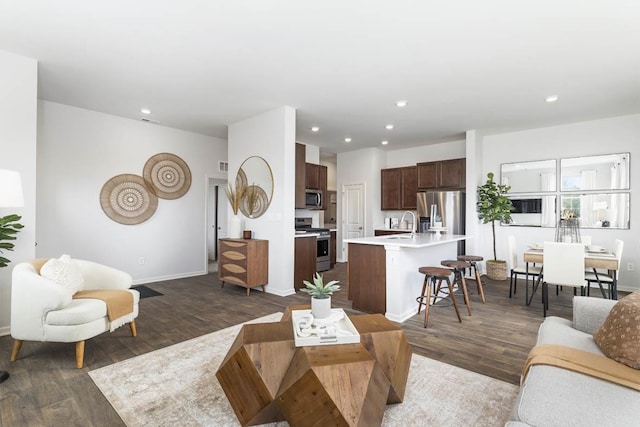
126	199
168	174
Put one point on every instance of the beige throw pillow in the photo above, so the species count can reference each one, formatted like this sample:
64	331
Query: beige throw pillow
619	335
64	272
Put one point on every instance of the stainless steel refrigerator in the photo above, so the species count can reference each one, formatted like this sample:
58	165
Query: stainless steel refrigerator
448	206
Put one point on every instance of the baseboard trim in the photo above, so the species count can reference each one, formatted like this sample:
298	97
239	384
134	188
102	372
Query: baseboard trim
169	277
280	292
5	330
400	318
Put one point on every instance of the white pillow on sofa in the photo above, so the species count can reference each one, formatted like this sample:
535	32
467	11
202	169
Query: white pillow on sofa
64	272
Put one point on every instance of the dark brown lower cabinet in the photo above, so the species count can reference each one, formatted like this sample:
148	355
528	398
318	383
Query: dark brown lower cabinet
304	260
367	278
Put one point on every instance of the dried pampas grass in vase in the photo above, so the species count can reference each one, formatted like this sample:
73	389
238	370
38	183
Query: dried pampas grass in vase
235	196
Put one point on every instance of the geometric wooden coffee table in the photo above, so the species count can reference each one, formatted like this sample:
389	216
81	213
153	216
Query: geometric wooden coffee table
266	378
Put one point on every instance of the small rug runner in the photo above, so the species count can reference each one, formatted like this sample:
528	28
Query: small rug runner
146	292
176	385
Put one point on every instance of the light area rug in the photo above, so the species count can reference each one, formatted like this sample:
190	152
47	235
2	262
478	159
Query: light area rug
176	386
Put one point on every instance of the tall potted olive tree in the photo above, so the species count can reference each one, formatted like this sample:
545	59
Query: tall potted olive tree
493	205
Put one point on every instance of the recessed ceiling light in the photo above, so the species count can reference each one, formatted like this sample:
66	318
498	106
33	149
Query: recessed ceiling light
315	129
552	98
401	104
145	111
389	126
384	142
347	139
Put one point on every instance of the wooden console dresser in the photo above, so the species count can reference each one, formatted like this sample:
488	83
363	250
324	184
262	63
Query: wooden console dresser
244	262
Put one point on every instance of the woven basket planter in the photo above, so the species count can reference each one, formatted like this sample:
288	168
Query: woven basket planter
496	270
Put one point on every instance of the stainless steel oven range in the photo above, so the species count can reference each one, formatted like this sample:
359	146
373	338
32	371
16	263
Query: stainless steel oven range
323	247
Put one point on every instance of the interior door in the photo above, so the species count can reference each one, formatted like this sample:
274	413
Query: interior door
216	216
352	213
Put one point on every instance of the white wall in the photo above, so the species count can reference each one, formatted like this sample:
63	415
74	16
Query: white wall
331	175
18	109
271	135
473	244
613	135
355	167
425	153
78	151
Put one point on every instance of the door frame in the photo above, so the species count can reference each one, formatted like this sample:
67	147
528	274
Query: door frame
211	202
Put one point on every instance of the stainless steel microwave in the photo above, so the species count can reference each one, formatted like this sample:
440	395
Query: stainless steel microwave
313	199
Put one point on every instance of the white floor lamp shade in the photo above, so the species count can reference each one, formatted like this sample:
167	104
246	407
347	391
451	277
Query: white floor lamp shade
10	189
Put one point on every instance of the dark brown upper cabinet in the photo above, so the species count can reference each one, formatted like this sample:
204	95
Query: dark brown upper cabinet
445	174
398	188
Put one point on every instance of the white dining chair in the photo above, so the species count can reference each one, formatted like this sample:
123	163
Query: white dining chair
563	266
599	277
518	269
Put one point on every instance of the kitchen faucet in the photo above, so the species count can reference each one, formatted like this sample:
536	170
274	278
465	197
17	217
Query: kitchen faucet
413	225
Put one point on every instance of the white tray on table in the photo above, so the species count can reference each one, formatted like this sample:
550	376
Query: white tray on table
336	329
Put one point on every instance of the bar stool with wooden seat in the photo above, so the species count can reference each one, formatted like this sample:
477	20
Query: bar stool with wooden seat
433	274
473	260
458	268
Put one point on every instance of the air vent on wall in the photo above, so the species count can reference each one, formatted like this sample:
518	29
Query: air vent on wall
148	120
223	166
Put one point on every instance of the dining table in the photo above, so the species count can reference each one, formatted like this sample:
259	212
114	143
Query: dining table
601	259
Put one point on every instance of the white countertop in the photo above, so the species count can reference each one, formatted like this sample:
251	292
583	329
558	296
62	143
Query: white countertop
420	241
401	230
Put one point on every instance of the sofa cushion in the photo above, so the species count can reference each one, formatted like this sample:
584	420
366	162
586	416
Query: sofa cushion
556	397
589	313
64	272
78	312
82	311
558	331
619	335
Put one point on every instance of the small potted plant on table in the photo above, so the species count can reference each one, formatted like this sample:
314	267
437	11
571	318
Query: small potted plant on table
320	295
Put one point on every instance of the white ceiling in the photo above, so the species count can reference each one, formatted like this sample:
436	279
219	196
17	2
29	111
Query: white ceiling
200	65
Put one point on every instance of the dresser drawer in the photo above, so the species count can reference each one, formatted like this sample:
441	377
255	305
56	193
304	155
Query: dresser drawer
233	246
234	273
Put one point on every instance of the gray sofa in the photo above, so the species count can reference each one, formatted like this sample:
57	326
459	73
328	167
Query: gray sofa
552	396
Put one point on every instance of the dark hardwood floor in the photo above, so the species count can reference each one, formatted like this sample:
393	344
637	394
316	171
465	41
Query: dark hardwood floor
45	388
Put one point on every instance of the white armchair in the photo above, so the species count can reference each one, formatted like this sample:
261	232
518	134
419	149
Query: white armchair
43	311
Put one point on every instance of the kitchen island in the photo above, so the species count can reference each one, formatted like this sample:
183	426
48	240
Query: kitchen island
383	272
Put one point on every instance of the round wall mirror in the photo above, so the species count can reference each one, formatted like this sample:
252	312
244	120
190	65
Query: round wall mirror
256	178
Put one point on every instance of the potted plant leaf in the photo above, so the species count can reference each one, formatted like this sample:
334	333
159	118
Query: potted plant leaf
9	227
493	205
320	295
